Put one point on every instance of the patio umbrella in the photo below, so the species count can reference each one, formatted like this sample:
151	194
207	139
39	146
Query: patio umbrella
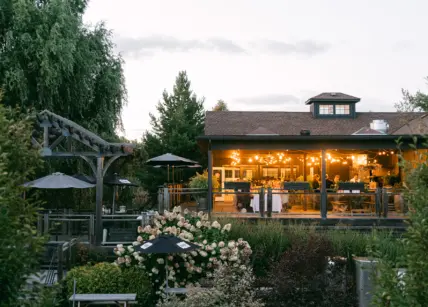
58	181
168	160
115	181
166	244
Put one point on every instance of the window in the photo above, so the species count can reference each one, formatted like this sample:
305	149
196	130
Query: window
228	173
270	172
342	109
326	109
237	173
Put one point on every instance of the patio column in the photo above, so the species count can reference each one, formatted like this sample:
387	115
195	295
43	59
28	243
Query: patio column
323	186
99	202
210	180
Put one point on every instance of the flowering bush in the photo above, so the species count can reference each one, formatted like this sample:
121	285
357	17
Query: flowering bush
185	269
231	287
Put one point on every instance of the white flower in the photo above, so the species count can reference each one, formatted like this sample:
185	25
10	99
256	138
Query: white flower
120	246
180	224
214	245
139	238
155	271
203	253
201	213
160	261
136	254
135	243
227	227
216	224
186	211
198	224
194	253
205	242
213	252
140	229
193	228
231	244
163	222
170	258
152	237
176	209
158	232
121	249
221	244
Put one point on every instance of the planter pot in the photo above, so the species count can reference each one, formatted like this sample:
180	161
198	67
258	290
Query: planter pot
202	204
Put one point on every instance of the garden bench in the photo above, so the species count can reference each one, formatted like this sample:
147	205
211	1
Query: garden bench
97	299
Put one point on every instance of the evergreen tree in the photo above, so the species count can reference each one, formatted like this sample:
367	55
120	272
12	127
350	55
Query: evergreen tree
179	122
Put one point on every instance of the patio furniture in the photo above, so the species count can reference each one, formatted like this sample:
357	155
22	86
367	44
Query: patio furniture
104	299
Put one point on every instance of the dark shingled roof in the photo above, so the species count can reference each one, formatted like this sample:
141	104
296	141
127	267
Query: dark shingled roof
291	123
333	97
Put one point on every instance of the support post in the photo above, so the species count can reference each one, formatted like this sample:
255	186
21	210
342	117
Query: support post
304	167
262	202
99	202
210	180
323	186
269	202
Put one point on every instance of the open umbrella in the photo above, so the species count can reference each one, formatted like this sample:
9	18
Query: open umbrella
168	160
166	244
58	181
115	181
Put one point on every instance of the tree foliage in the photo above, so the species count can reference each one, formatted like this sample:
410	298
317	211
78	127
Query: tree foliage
410	289
412	102
50	60
20	246
179	122
221	106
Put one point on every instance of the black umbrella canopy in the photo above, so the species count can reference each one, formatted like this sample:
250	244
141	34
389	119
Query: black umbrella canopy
171	160
58	181
166	244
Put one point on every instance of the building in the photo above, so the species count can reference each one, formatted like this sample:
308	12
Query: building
266	149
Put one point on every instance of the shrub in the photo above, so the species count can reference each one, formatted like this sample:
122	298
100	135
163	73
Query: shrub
109	278
230	286
20	244
307	275
267	240
412	288
186	268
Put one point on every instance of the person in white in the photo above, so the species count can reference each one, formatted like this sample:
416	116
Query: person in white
355	179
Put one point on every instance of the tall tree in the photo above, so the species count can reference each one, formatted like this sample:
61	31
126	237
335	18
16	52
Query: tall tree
50	60
220	106
181	119
412	102
179	122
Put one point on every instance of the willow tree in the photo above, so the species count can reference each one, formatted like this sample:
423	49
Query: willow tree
50	60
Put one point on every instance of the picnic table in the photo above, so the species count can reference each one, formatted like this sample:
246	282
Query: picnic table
97	299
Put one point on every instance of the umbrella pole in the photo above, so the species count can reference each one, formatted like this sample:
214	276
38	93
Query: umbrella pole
114	201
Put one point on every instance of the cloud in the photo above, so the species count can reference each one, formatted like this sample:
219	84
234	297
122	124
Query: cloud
305	47
150	44
147	46
269	100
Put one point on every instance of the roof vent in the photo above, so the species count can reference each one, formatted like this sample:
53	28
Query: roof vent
379	125
333	94
305	132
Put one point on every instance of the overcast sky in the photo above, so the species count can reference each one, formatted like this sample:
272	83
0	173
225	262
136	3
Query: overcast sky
267	55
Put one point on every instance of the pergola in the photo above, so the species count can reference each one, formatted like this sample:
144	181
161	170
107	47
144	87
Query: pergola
54	134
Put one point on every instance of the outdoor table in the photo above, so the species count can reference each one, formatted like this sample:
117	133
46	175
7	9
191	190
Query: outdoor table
125	299
276	203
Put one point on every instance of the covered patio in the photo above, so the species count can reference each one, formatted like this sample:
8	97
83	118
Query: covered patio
358	176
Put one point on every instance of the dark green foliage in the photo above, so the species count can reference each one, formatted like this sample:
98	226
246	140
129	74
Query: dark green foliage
108	278
174	130
21	247
412	290
412	102
50	60
306	276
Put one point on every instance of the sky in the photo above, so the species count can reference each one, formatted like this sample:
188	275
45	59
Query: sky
266	55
